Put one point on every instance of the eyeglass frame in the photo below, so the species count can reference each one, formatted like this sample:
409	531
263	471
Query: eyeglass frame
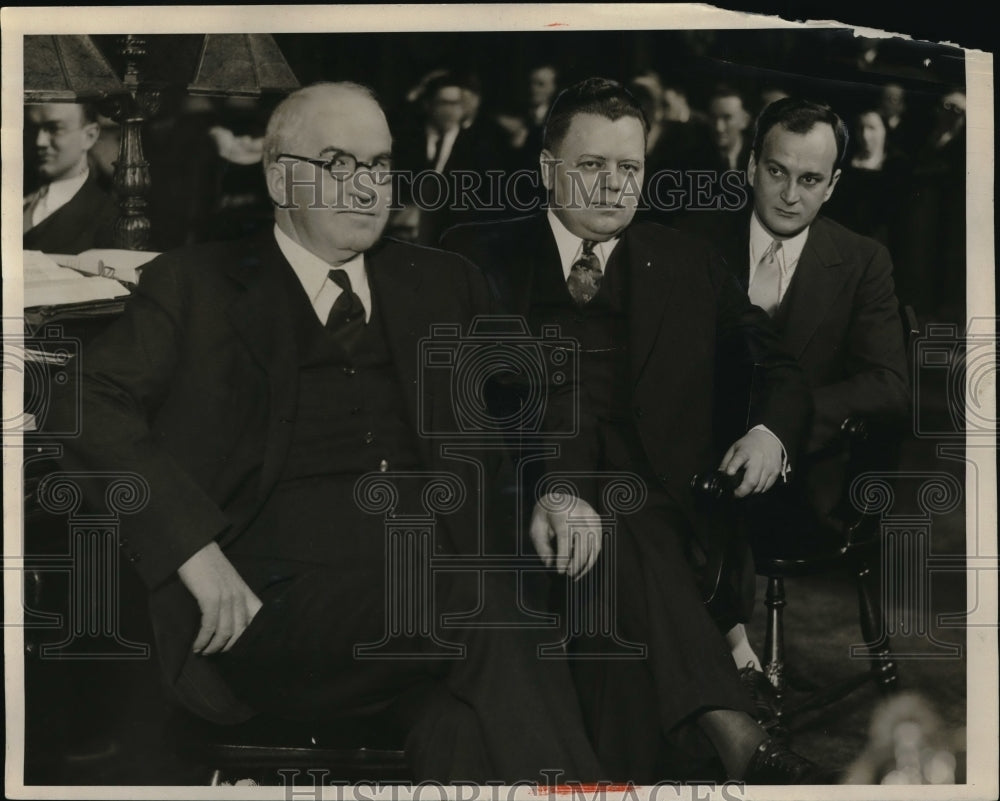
341	175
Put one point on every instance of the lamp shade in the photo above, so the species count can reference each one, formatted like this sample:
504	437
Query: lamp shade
241	65
66	69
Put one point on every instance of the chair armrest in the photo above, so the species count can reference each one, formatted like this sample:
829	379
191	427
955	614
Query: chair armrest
714	487
855	429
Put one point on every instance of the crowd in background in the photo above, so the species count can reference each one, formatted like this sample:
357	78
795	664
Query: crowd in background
903	179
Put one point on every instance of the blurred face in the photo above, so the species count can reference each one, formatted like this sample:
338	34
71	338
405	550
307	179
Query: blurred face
675	106
470	103
445	109
871	133
793	178
334	219
893	99
729	121
596	176
61	138
542	86
951	112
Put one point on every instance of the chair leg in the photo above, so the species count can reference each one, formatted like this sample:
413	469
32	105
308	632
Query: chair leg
774	645
874	631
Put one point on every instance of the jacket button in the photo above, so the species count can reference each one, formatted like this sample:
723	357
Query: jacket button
637	411
349	371
369	438
134	558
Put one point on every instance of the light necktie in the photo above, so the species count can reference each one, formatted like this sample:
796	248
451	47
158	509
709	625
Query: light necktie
346	319
765	290
585	275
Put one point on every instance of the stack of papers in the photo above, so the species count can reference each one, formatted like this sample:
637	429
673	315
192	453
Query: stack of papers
123	265
48	284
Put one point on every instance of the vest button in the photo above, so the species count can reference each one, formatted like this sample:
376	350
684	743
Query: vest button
349	371
355	410
637	411
369	438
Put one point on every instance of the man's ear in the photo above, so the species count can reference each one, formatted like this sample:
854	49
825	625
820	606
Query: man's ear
833	183
547	165
91	133
275	177
751	169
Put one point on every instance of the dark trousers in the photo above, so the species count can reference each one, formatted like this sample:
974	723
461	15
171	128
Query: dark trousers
498	713
640	712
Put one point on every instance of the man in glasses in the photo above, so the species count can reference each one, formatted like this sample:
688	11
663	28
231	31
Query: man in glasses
252	384
69	212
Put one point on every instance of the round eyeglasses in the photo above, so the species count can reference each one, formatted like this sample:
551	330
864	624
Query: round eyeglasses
342	165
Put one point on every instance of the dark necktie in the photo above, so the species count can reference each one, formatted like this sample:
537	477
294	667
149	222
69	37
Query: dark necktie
347	315
585	275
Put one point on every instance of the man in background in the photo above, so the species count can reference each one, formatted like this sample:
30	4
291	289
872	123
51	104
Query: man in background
69	212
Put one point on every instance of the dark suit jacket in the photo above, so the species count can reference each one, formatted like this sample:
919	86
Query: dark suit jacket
685	310
86	221
839	318
195	389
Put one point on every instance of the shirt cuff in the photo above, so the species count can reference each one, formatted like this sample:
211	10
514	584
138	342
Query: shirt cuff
786	468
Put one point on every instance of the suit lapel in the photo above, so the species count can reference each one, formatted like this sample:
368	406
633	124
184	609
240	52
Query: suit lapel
650	282
815	285
526	252
407	314
262	318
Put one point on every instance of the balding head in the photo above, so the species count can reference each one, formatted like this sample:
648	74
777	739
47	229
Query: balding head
292	114
311	136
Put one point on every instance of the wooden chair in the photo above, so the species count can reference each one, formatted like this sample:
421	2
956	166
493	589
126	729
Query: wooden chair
801	543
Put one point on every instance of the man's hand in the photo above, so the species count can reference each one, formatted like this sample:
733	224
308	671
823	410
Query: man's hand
759	454
227	604
575	552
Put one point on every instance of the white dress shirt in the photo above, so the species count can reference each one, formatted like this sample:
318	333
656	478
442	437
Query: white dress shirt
571	246
787	256
53	196
446	146
313	274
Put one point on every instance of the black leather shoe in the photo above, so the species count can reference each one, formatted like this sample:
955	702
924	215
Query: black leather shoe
767	707
775	763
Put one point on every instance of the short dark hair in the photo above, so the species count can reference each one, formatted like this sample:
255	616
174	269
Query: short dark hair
88	113
799	116
439	82
600	96
726	90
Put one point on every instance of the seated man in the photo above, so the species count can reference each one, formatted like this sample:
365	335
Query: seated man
69	212
251	384
651	310
830	294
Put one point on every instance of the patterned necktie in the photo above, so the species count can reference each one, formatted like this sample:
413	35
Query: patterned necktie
347	315
585	275
765	291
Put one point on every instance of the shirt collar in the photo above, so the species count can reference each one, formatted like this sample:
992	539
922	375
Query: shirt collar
62	191
571	246
313	272
761	238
